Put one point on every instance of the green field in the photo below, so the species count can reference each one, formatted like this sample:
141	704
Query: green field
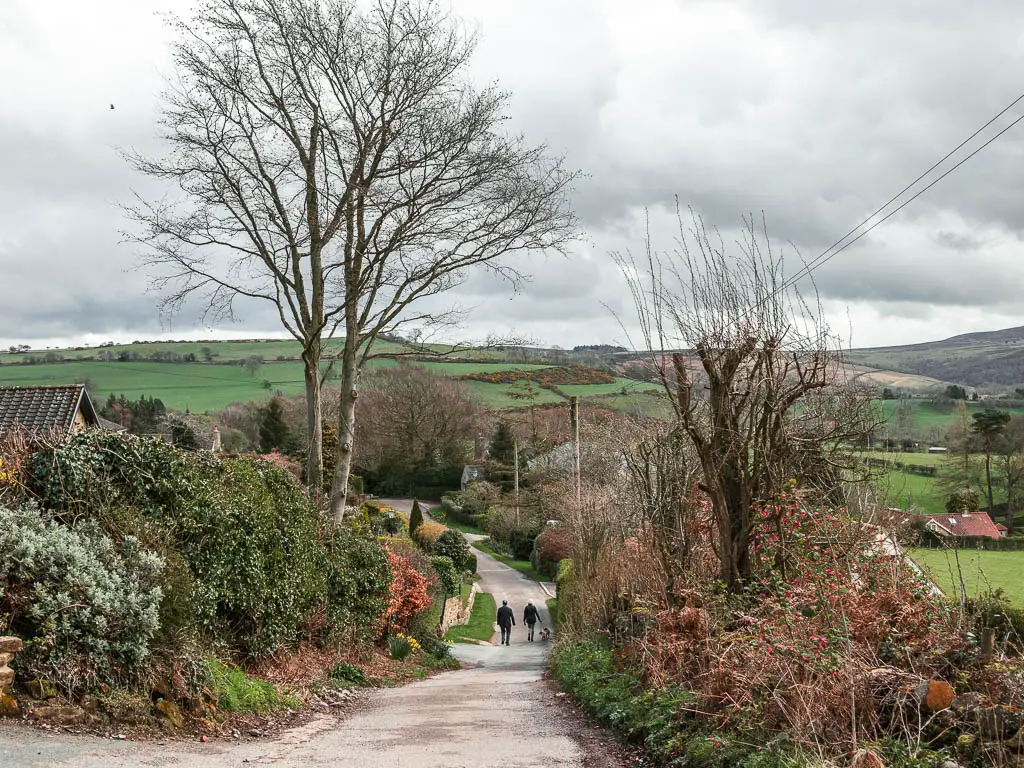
980	570
207	387
926	416
917	459
908	490
198	387
620	387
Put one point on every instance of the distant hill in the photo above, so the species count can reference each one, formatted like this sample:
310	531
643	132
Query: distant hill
987	359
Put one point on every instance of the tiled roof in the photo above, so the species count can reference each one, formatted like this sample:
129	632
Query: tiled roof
978	524
37	409
110	426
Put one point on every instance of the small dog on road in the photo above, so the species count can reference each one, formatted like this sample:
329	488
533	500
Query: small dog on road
545	634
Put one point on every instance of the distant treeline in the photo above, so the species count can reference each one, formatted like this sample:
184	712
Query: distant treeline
132	356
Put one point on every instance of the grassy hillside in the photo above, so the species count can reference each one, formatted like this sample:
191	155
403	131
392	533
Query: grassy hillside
973	359
910	491
926	416
209	386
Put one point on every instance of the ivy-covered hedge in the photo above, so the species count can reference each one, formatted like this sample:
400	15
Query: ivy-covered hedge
253	565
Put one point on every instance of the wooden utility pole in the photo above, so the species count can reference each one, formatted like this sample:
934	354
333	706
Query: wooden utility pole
515	479
574	420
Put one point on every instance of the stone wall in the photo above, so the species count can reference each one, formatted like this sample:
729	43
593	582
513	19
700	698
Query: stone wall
454	614
9	646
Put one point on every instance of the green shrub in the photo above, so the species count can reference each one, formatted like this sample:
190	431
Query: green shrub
453	545
356	591
237	692
647	717
470	565
416	517
89	605
446	574
400	647
465	508
256	561
344	673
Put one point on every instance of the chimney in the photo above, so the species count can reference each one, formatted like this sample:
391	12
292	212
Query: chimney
216	439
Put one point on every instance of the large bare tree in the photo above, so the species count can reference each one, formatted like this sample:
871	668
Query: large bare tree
757	386
411	421
334	161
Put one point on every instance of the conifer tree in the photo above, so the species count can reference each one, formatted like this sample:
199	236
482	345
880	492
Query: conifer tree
502	445
416	518
273	430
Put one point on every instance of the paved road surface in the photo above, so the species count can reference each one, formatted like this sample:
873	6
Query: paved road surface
496	711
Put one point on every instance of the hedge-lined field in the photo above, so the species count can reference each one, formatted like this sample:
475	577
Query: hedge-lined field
980	568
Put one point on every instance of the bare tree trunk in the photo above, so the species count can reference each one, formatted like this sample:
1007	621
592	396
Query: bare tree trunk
988	478
314	420
346	427
1011	506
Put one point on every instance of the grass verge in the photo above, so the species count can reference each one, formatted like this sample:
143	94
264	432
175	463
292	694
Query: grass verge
237	692
481	621
552	604
523	566
460	527
654	719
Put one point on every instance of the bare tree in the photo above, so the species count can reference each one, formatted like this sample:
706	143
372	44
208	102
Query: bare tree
252	364
411	420
335	163
761	396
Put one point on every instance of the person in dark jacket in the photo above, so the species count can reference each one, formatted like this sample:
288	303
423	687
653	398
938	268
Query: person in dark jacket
506	620
530	617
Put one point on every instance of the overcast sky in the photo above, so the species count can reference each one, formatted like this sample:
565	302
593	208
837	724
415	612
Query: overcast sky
814	113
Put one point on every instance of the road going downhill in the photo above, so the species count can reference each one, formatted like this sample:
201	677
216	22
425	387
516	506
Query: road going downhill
496	711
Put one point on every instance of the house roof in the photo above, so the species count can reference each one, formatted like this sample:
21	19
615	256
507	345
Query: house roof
38	409
978	524
112	426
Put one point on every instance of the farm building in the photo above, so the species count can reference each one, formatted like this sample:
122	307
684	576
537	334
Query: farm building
977	524
62	410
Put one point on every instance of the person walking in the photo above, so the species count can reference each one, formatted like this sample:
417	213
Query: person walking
506	620
530	617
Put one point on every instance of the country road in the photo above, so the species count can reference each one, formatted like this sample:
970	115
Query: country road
496	711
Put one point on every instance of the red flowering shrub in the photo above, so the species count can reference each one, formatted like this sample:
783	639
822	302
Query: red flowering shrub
284	462
408	594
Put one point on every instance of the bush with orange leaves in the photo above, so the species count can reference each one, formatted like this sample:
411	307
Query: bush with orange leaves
408	594
427	534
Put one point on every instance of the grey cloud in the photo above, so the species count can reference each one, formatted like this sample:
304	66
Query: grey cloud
811	112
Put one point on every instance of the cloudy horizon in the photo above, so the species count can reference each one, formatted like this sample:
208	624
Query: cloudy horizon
811	114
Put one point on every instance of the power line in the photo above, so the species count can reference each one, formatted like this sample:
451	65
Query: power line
825	256
935	165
